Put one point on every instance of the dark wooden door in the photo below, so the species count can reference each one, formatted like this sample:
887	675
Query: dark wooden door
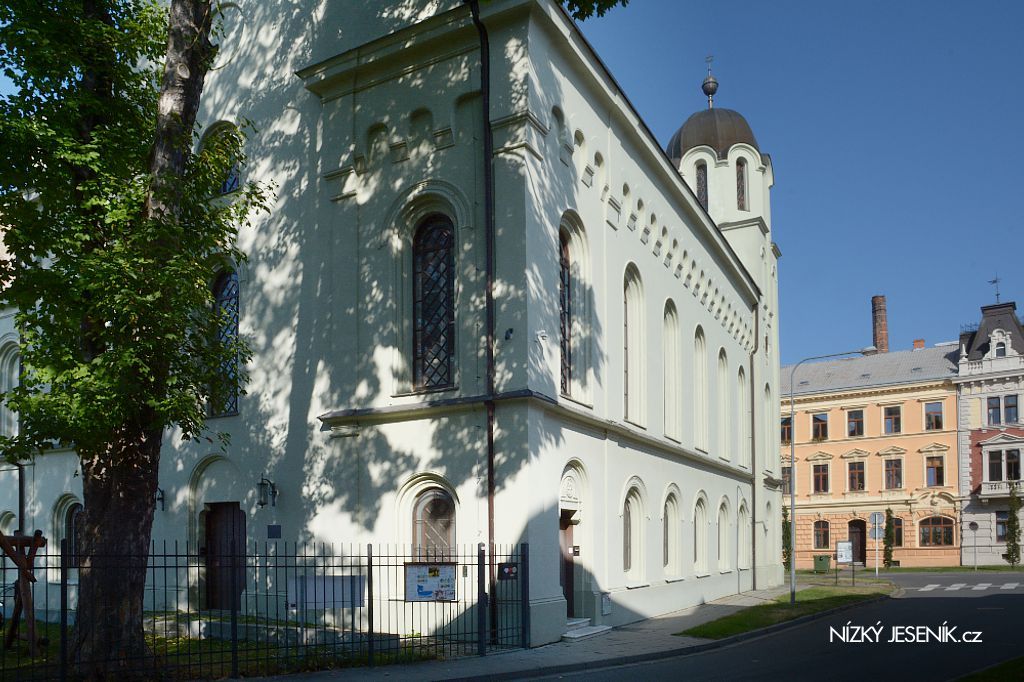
858	533
567	563
225	555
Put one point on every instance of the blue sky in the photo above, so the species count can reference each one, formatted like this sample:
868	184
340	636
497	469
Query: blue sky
896	137
895	133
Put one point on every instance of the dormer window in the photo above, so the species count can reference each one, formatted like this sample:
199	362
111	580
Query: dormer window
1000	350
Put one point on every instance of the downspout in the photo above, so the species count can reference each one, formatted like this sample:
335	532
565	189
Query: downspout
489	232
753	451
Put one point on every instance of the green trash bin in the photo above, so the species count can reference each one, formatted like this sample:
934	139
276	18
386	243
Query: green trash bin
821	563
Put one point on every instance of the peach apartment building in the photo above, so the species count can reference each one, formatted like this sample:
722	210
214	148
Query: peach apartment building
874	433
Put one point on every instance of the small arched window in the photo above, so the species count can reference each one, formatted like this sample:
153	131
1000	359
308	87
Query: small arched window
433	523
1000	350
700	391
632	530
224	391
670	536
702	184
741	184
743	561
565	311
72	528
433	304
723	538
700	538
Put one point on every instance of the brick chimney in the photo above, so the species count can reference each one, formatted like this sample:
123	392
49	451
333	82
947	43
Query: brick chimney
880	324
918	344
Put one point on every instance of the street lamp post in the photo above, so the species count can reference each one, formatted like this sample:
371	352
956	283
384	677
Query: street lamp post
792	461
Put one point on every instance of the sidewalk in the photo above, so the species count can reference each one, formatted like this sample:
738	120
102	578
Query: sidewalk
644	639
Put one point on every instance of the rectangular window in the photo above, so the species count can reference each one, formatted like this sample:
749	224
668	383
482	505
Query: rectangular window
856	471
897	532
787	479
1001	519
1013	465
787	429
994	413
855	423
933	416
995	466
821	478
819	427
821	535
1010	409
893	474
935	472
892	419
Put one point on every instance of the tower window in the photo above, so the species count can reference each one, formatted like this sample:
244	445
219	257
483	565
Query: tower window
702	185
565	312
741	185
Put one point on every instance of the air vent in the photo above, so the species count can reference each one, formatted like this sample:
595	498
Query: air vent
805	383
915	369
865	375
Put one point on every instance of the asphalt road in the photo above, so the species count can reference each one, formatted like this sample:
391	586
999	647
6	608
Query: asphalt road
815	651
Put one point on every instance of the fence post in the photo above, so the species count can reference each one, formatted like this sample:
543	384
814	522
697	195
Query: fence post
235	597
63	610
481	602
369	590
524	593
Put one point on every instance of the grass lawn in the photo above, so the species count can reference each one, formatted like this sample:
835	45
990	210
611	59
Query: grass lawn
810	600
1011	670
912	569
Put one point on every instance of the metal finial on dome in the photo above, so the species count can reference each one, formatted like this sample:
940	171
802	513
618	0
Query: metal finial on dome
710	85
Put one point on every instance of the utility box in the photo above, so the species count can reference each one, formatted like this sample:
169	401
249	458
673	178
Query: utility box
822	563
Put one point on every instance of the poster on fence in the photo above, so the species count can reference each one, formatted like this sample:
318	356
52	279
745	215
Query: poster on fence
429	582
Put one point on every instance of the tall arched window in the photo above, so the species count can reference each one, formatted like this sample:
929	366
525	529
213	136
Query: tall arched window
633	347
433	303
670	536
224	392
9	374
632	532
72	518
771	458
433	523
743	417
565	312
700	391
702	184
722	418
723	538
741	184
700	538
672	373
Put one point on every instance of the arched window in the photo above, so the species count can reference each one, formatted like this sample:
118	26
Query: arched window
700	538
633	347
769	423
672	373
632	531
937	531
702	184
722	418
1000	350
433	304
9	375
700	391
433	523
71	521
743	561
741	184
224	392
565	312
821	540
743	417
670	536
723	538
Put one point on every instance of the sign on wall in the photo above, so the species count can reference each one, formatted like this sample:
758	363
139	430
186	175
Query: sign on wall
429	582
844	552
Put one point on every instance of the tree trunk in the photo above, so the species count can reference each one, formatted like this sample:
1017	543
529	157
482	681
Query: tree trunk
119	487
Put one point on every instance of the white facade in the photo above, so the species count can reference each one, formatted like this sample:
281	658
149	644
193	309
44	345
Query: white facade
368	119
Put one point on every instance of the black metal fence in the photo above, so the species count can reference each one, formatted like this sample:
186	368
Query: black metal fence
279	606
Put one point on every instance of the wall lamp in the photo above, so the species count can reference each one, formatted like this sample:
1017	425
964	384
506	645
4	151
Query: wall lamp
266	492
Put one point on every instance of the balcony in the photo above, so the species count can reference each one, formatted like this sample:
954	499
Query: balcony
1000	488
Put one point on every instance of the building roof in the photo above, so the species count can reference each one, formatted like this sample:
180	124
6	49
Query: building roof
882	369
717	128
998	316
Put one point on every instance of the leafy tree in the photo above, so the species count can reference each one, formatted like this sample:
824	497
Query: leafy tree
890	538
584	9
787	540
114	229
1013	529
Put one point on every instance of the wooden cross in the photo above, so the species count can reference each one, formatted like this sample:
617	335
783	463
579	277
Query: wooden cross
21	549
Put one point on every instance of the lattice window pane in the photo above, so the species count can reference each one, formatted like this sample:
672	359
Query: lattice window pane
702	185
433	304
224	392
434	525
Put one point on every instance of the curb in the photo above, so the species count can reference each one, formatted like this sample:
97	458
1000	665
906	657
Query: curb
668	653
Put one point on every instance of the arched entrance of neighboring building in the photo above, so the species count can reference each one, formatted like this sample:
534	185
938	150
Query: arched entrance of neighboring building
569	516
857	530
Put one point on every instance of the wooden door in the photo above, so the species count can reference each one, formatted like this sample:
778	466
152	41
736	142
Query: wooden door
225	555
566	576
857	529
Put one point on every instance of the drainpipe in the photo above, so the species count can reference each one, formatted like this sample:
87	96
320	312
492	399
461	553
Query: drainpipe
753	451
489	232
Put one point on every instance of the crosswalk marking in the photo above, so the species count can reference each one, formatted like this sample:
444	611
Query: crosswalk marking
1009	586
982	586
929	588
955	586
